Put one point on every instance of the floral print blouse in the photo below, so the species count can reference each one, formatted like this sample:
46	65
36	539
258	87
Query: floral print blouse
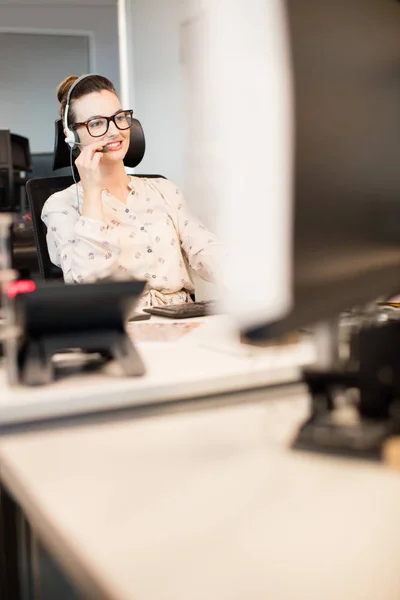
154	236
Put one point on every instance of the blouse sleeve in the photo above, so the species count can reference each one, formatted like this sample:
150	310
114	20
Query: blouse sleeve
201	247
84	248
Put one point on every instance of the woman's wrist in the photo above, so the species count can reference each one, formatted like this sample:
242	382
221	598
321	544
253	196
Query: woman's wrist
92	194
92	206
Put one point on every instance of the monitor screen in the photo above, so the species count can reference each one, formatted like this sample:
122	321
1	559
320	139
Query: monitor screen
294	116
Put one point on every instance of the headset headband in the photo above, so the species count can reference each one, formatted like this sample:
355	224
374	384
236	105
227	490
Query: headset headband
71	89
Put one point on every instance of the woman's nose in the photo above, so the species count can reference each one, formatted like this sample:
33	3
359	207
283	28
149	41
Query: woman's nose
112	129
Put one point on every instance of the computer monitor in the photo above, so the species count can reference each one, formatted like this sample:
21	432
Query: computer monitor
295	110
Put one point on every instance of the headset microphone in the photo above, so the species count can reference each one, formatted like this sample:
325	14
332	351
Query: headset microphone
104	149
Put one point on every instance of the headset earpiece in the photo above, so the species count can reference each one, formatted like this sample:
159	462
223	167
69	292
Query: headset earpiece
72	139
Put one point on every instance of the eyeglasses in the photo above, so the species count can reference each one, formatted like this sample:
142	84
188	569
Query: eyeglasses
98	126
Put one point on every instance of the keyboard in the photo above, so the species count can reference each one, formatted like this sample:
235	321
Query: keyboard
183	311
138	317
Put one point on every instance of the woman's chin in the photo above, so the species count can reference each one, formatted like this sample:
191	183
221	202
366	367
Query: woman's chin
116	155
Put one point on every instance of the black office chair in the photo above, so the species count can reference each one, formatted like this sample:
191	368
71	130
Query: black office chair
6	171
22	163
38	190
15	157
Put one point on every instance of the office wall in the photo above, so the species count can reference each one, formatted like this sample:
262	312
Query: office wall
157	32
96	16
157	86
28	103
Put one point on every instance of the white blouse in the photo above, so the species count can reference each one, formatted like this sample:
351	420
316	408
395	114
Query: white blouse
153	237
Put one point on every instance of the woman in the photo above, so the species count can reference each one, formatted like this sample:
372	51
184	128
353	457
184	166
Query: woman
114	225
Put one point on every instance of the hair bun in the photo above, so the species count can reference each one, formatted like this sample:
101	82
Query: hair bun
64	87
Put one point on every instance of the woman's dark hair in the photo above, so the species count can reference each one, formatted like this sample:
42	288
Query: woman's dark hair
93	83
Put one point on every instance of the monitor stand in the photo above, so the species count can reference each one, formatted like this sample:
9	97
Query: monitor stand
355	407
35	353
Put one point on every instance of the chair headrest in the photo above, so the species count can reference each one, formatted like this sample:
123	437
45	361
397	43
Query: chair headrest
133	157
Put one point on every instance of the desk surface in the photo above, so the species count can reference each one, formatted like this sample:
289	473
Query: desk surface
206	361
209	505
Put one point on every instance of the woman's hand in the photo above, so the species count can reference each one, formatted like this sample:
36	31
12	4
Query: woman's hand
87	164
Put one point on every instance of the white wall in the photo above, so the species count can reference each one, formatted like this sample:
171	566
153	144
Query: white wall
28	103
96	16
157	89
161	64
156	86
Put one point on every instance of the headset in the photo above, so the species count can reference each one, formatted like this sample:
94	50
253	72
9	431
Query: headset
72	138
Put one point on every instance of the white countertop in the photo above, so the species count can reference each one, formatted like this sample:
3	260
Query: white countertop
207	361
209	505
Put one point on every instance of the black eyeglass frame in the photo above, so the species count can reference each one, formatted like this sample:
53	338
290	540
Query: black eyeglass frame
75	126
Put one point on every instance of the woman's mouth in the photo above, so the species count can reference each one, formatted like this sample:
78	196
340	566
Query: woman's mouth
114	146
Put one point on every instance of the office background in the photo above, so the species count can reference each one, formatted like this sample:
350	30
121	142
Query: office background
155	58
28	97
41	41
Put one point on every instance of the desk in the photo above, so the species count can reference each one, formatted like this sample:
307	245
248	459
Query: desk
207	362
202	363
208	505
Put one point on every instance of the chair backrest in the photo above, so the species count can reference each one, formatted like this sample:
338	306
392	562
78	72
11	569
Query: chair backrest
6	172
38	191
21	154
133	157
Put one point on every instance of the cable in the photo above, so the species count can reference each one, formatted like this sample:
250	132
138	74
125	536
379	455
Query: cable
71	164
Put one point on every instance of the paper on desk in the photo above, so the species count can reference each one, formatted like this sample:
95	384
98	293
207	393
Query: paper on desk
143	331
221	334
